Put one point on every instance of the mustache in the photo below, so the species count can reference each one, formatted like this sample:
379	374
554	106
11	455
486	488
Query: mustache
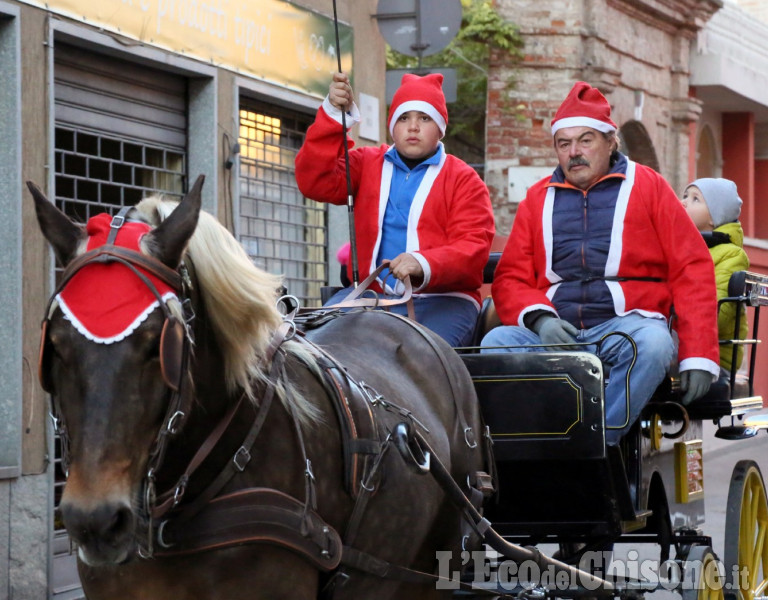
578	161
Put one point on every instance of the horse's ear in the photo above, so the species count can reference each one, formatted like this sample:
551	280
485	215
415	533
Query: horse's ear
170	238
63	235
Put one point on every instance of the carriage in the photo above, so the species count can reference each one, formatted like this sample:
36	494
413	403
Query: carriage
559	483
373	475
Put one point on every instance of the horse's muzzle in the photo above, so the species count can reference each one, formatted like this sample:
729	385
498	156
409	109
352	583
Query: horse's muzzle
104	534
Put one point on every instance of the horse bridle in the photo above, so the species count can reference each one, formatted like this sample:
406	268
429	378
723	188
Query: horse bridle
175	341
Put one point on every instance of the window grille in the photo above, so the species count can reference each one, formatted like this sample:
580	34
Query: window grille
283	232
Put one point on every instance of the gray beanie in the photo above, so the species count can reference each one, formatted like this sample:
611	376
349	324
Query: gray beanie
721	197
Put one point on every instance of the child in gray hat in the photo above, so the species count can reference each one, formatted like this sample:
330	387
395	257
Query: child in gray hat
714	206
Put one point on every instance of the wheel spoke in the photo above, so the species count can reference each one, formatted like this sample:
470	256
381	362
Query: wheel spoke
757	557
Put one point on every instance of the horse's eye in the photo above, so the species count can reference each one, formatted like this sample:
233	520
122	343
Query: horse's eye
154	348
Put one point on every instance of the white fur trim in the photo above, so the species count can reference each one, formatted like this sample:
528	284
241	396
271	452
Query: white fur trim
546	227
582	122
421	106
353	115
701	364
386	182
616	248
424	267
83	330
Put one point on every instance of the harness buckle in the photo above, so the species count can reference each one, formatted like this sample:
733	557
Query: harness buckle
181	489
469	437
117	221
161	536
173	427
241	458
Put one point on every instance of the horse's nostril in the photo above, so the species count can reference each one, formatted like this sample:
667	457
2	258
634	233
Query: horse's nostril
108	523
114	523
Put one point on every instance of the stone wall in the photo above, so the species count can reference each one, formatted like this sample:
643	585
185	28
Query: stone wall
635	52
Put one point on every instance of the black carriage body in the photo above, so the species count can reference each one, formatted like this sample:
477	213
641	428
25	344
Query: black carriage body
557	479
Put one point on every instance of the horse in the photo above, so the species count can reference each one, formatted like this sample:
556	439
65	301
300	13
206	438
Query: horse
185	481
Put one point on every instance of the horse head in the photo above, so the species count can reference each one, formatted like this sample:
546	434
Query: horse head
105	340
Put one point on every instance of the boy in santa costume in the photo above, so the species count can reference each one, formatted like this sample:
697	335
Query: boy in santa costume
423	210
604	245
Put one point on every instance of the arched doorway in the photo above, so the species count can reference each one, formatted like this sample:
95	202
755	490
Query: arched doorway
706	154
638	145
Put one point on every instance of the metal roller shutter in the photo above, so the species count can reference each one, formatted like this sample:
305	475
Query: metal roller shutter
120	134
121	131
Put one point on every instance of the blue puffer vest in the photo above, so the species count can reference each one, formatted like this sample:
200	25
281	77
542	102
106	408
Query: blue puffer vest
581	230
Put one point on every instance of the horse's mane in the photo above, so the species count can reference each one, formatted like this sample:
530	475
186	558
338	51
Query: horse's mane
240	300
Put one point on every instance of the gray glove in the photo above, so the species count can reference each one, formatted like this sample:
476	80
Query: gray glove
552	330
695	383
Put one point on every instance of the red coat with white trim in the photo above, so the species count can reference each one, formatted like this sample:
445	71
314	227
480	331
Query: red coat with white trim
656	238
450	225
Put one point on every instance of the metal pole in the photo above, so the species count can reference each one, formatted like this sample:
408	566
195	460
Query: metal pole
350	197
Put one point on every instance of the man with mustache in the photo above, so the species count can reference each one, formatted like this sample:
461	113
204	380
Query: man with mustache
604	245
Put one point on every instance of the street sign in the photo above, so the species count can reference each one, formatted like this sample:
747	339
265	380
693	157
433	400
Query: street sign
419	27
393	77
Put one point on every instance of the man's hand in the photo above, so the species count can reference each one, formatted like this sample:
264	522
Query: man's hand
340	92
552	330
695	383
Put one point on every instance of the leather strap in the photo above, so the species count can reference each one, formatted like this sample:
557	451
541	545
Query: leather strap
172	497
354	298
255	515
117	223
236	465
111	253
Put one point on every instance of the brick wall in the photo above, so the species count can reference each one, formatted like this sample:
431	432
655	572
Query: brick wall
635	52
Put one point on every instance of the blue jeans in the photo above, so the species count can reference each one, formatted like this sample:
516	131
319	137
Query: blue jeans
655	350
450	317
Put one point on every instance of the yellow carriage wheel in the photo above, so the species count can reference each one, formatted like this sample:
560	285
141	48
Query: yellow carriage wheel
702	579
746	524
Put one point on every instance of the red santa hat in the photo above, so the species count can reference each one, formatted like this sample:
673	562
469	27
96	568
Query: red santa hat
106	302
424	94
584	106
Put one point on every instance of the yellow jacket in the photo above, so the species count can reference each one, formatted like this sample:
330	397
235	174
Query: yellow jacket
729	257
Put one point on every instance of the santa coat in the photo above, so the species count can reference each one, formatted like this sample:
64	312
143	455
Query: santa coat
450	224
651	237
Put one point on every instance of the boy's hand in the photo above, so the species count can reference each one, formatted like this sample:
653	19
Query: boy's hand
405	264
340	92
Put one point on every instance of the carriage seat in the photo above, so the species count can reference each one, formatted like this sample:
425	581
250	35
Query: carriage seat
487	318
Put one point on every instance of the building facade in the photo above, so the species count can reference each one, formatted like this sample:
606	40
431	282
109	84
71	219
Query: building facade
686	80
637	53
103	103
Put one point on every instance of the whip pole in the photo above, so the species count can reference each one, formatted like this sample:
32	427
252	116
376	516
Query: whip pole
350	197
